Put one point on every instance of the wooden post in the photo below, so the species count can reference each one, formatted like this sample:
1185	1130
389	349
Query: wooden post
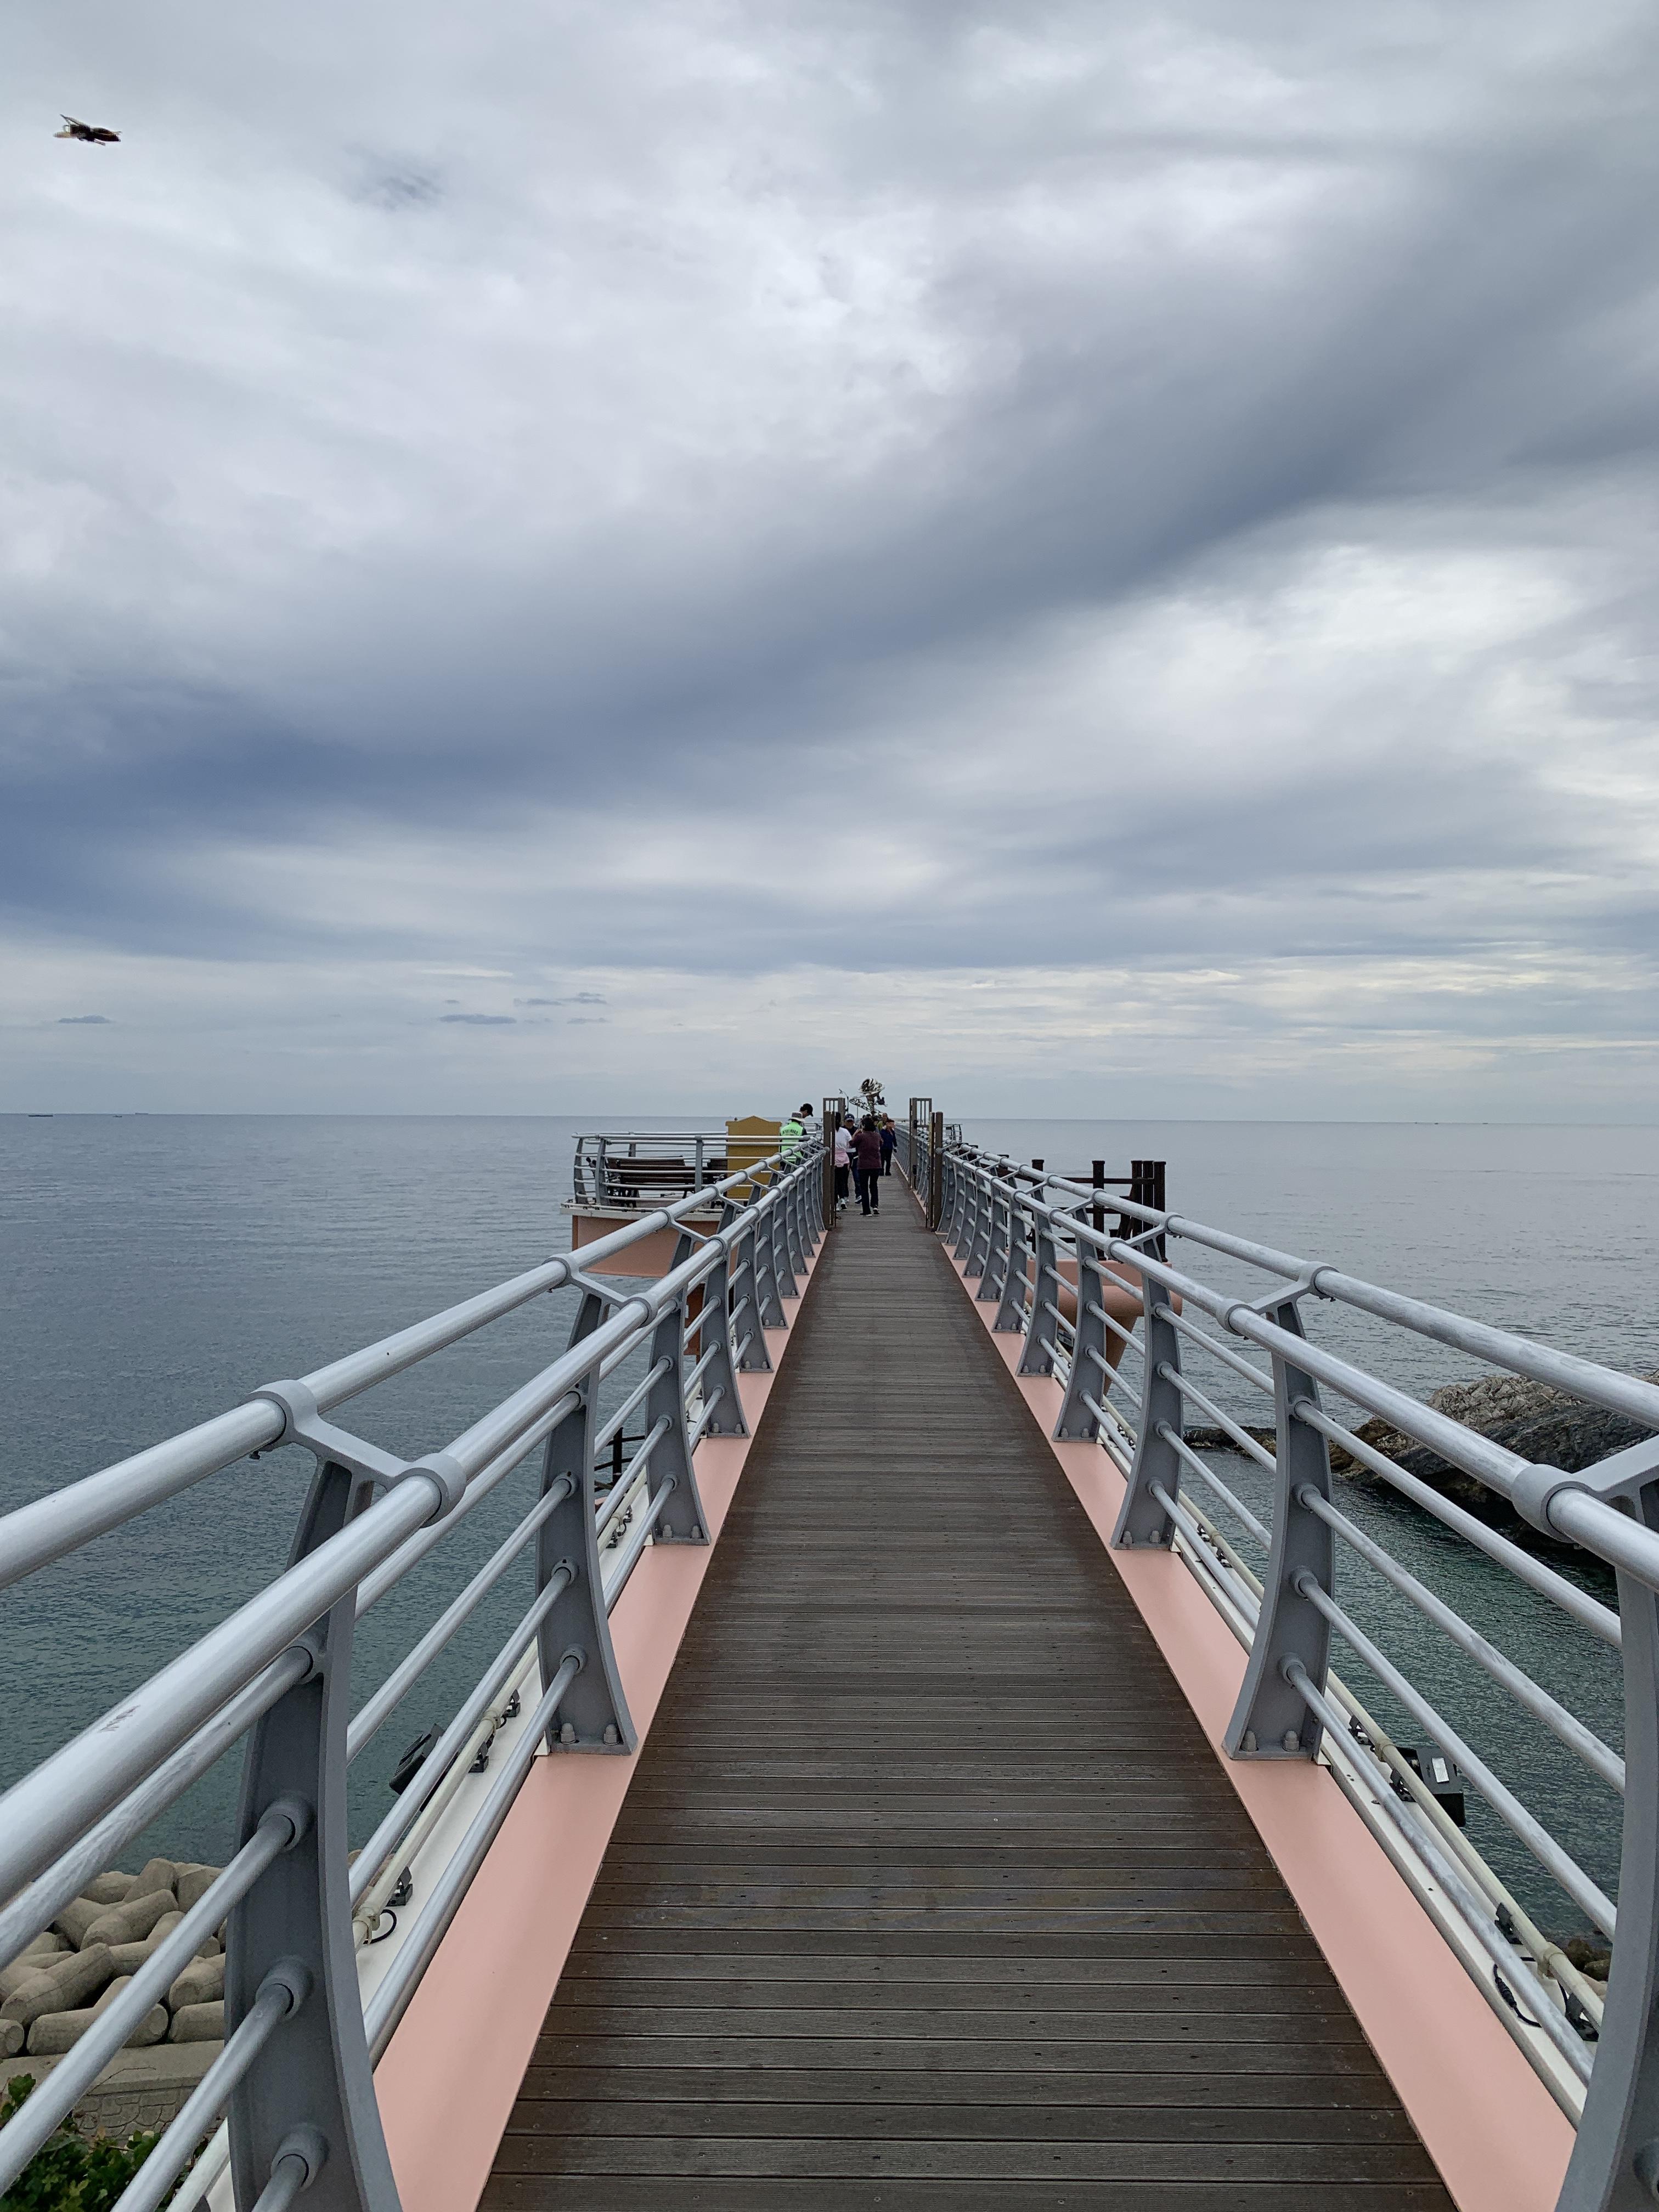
833	1110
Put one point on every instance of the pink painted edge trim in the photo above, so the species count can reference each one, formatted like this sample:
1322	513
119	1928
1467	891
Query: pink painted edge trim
1497	2135
449	2077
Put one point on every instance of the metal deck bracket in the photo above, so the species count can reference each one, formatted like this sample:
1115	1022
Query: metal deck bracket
748	1315
1012	1285
1615	2167
722	1406
294	1924
1142	1518
985	1239
767	1297
1622	1479
593	1715
679	1519
1273	1719
776	1228
1037	1357
303	1424
1088	1378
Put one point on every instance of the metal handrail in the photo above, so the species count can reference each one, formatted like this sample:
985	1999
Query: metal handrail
1292	1704
369	1517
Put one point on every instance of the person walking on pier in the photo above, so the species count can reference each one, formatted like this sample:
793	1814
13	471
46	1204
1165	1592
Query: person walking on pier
844	1162
866	1159
889	1139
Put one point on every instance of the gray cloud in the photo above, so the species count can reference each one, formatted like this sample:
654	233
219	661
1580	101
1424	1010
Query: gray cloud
83	1021
483	1021
1165	496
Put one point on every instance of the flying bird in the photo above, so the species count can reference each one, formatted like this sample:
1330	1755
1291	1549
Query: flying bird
89	134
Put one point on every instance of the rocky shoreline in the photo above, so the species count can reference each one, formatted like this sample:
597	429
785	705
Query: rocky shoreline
59	1984
1541	1425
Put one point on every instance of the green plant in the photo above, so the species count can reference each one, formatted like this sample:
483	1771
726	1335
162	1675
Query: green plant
70	2171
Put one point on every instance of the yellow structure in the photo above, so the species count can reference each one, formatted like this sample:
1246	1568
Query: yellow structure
749	1140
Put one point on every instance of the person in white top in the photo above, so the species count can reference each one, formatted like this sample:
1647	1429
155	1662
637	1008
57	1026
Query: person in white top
843	1164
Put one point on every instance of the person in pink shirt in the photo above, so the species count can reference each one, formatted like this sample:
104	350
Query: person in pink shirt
844	1162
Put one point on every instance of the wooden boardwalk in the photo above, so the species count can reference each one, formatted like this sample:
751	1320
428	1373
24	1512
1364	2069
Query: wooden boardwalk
928	1892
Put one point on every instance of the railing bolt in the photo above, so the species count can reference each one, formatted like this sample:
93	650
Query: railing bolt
567	1733
1291	1740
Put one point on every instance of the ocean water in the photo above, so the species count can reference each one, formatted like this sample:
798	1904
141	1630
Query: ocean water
153	1269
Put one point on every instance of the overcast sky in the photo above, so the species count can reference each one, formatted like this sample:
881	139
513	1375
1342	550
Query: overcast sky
1087	559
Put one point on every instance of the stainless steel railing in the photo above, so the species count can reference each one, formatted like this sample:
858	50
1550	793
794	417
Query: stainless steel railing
276	1674
1085	1302
634	1168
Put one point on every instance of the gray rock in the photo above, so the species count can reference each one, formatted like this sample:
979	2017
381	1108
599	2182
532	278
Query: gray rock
198	2023
126	1923
194	1883
202	1982
61	1985
34	1959
109	1888
1541	1425
56	2032
76	1916
128	1957
155	1874
12	2035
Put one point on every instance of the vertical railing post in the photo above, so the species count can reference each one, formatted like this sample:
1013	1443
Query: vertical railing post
1088	1379
806	1217
783	1273
767	1301
979	1251
957	1206
593	1715
755	1358
936	1178
1037	1357
294	1928
669	1469
1011	1306
1615	2167
994	1273
722	1406
789	1206
1142	1518
1272	1719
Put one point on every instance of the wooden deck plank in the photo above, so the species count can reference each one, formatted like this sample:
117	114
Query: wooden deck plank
929	1891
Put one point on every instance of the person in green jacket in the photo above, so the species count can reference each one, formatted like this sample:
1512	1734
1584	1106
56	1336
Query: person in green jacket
795	1134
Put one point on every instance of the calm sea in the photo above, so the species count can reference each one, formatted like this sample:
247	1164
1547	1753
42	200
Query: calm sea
153	1269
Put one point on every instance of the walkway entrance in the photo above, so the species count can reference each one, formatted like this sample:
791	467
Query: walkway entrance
928	1892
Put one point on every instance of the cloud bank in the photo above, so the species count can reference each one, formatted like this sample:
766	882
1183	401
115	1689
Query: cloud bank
1098	558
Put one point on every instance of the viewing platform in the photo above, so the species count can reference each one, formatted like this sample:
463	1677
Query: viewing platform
906	1766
